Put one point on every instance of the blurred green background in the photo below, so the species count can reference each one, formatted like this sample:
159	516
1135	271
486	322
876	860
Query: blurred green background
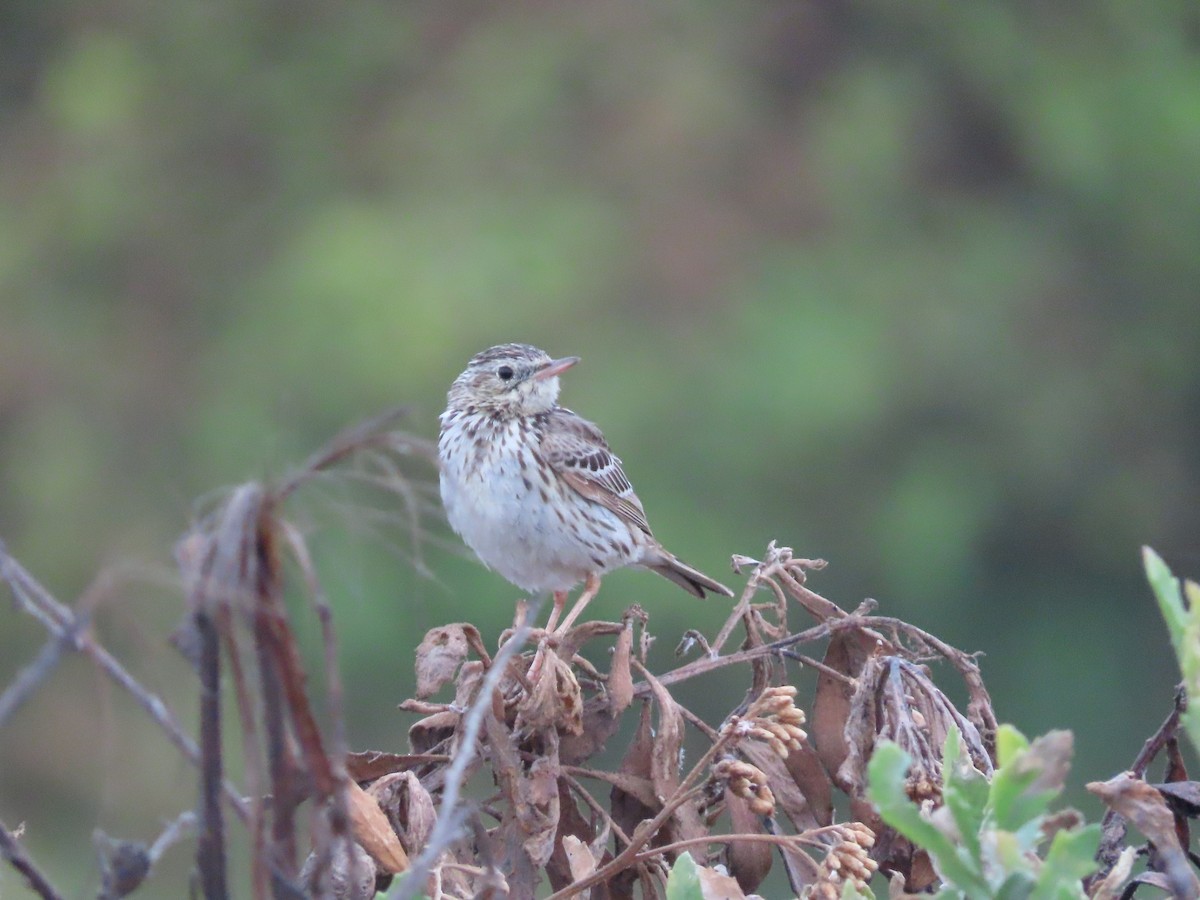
910	287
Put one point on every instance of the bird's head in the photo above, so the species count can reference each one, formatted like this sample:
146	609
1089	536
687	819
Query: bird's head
510	380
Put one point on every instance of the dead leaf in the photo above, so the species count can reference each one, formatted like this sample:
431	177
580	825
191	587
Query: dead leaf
716	885
749	861
433	732
620	679
580	859
1146	809
373	830
439	655
350	874
686	822
1111	885
408	806
629	808
1183	796
574	639
848	651
599	724
795	804
554	700
538	809
369	765
572	827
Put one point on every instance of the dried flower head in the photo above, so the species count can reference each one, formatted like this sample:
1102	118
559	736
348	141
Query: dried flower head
775	719
747	782
847	860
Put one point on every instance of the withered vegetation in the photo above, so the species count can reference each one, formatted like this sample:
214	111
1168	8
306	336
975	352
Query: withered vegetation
529	721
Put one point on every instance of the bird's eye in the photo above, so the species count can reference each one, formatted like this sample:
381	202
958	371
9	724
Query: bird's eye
505	373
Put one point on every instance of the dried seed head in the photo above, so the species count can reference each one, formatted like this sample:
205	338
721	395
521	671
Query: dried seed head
775	719
747	782
847	860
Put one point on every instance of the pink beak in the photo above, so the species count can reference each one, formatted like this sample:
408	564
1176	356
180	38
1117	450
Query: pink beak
556	367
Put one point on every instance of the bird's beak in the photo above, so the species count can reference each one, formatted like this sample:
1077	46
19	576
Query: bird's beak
556	367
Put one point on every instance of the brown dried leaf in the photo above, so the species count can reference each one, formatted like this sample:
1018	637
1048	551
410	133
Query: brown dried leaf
894	853
686	821
1183	796
432	732
598	726
629	807
1110	887
571	826
749	861
810	777
580	859
555	701
369	765
373	830
1147	810
847	653
716	885
620	679
439	655
539	809
530	818
408	806
350	875
796	806
574	639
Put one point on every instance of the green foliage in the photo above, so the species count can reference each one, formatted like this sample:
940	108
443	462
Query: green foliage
1183	623
684	881
983	840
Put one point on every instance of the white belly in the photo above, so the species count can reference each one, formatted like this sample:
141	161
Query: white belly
520	520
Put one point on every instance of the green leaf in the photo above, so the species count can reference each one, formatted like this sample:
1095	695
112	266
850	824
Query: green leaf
1016	886
1183	623
1166	591
684	881
965	792
1071	858
1014	806
1009	742
885	789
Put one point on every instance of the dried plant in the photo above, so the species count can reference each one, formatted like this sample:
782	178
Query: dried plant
530	721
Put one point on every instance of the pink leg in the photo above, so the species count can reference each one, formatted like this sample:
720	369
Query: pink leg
560	600
590	589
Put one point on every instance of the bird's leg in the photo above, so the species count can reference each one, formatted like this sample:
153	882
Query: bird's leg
590	589
560	600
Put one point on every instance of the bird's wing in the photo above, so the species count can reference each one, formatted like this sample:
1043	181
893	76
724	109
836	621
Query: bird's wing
577	451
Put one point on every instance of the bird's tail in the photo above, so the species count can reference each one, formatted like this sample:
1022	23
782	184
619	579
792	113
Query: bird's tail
691	580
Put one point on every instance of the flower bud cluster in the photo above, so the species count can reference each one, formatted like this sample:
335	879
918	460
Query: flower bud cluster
748	782
847	860
775	719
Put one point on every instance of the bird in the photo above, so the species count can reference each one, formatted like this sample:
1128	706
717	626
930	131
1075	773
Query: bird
534	490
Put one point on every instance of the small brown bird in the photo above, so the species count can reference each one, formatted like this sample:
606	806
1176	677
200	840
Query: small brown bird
534	489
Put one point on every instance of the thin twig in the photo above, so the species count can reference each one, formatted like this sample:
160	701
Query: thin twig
449	818
646	830
819	666
11	850
595	806
30	677
783	840
61	622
